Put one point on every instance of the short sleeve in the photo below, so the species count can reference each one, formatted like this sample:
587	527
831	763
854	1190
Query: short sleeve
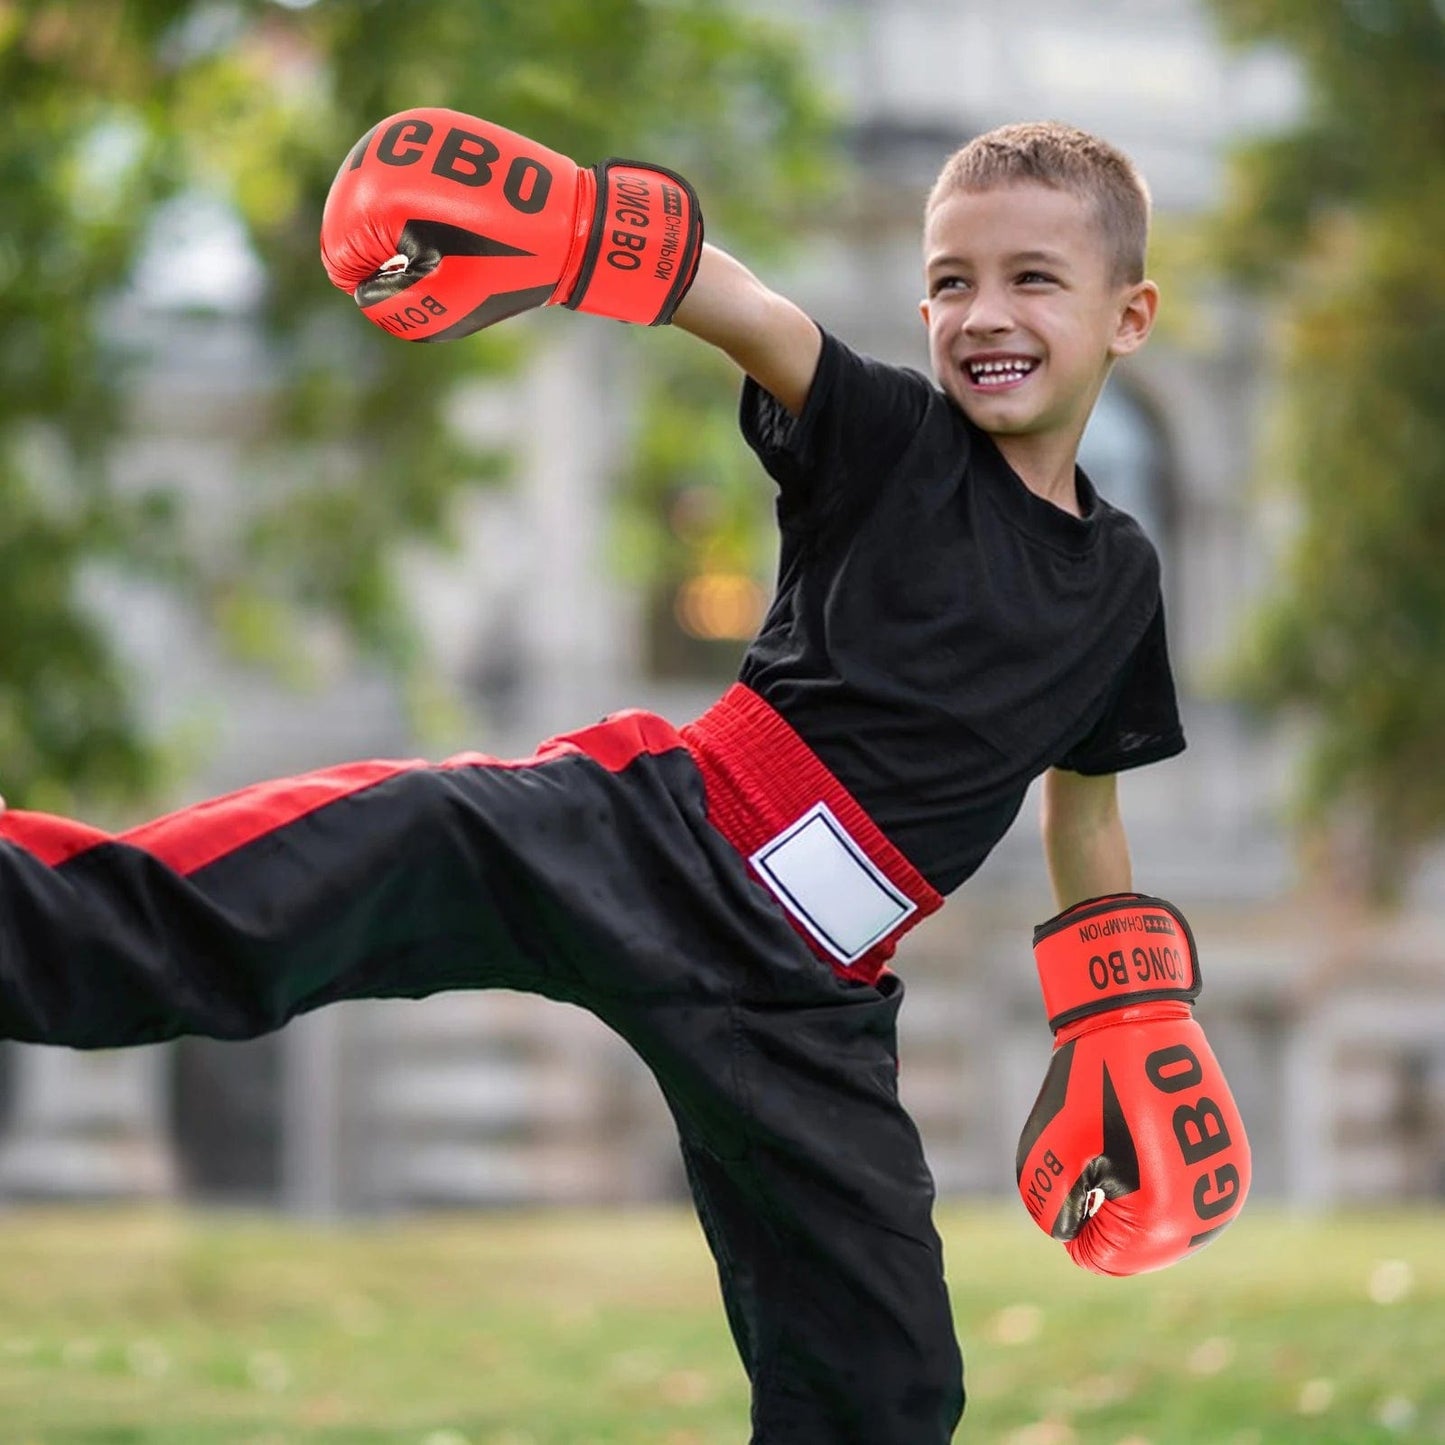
1140	719
860	418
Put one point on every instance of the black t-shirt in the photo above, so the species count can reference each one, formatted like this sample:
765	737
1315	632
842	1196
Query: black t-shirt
940	635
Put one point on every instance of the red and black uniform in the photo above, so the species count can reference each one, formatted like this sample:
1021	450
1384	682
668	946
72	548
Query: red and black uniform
725	895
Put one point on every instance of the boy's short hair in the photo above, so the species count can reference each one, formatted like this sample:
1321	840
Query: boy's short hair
1050	153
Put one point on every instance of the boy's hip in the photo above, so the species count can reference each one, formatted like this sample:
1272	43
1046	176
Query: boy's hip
841	884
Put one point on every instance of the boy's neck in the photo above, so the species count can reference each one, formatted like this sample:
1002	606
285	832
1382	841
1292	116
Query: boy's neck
1046	465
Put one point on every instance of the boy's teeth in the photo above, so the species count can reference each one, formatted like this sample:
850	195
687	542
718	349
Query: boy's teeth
997	372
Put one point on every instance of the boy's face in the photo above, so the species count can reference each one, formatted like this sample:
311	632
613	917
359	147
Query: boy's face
1023	314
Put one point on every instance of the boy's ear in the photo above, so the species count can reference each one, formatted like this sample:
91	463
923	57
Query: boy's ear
923	311
1140	305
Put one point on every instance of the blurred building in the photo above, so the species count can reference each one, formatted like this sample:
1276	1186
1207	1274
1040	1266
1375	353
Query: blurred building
1331	1029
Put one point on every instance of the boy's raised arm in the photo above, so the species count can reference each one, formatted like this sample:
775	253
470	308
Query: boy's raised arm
771	338
440	223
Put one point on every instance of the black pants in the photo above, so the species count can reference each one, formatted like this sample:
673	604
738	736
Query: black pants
588	874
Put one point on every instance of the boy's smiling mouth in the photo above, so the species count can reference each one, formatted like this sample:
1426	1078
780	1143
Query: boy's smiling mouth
996	372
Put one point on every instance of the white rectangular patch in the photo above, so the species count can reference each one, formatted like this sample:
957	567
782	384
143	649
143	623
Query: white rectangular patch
826	881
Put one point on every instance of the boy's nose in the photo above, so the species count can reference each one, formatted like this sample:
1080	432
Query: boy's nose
988	316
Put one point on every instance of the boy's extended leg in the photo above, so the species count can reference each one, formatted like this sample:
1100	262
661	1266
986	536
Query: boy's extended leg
363	881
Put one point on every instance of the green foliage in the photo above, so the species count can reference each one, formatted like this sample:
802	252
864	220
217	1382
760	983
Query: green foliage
1341	219
113	109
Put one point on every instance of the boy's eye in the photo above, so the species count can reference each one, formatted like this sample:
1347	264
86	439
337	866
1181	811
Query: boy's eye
948	283
1037	278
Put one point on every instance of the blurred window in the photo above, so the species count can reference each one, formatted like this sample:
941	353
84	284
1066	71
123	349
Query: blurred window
1125	456
699	628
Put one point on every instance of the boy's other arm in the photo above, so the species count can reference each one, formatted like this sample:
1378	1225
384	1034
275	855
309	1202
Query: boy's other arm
1084	842
773	340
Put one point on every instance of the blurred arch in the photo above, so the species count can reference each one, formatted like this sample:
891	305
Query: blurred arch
1126	452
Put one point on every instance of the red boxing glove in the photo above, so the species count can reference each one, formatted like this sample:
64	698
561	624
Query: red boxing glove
439	224
1134	1154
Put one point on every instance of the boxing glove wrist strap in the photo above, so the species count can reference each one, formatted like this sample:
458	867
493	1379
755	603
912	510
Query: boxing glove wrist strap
643	247
1108	953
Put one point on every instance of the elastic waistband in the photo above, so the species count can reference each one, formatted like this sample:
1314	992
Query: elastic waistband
764	787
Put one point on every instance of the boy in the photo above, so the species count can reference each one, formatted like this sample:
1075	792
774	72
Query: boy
957	612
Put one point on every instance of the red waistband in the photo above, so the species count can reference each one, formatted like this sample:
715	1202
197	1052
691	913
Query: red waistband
762	777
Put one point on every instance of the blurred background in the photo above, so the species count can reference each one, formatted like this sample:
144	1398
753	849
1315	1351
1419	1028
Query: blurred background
243	533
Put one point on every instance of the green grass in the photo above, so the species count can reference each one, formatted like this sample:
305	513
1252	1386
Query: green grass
148	1328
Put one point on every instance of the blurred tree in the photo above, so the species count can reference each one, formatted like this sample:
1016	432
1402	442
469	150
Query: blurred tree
1341	220
113	109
